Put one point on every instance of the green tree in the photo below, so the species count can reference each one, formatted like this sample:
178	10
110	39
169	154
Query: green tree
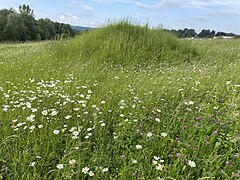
25	9
30	27
14	27
3	22
22	26
188	33
46	29
204	33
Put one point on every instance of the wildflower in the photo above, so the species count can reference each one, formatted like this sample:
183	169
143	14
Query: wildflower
54	113
190	102
5	108
170	156
40	126
44	112
15	120
31	118
178	155
154	162
75	133
60	166
56	132
134	161
186	103
103	124
28	104
157	119
32	127
191	163
123	156
149	134
74	137
68	117
156	157
72	161
76	148
188	109
159	167
73	129
34	110
105	170
163	134
85	170
138	146
32	164
91	173
6	95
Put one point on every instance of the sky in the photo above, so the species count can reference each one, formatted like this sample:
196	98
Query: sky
218	15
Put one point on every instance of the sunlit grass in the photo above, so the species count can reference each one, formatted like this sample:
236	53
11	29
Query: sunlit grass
66	116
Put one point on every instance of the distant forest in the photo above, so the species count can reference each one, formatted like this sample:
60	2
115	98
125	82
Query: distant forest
20	25
205	33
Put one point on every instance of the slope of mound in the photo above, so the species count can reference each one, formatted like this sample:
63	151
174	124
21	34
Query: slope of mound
124	44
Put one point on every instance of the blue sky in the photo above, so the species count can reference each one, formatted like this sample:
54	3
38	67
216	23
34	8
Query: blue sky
220	15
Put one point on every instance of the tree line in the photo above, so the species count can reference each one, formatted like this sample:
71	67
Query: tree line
20	25
205	33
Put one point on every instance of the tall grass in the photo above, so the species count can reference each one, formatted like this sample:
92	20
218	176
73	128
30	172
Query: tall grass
126	44
101	106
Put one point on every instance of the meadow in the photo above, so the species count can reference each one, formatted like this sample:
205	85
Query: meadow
120	102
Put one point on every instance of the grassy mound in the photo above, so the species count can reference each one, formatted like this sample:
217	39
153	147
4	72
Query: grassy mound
124	43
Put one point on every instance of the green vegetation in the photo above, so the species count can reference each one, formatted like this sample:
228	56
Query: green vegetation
124	44
22	26
205	33
120	102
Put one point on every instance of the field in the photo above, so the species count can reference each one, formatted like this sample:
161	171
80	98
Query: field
121	102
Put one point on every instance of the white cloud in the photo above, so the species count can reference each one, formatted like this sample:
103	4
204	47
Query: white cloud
68	17
223	5
162	4
114	1
86	8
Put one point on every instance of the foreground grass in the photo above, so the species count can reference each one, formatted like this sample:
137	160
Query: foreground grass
66	117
